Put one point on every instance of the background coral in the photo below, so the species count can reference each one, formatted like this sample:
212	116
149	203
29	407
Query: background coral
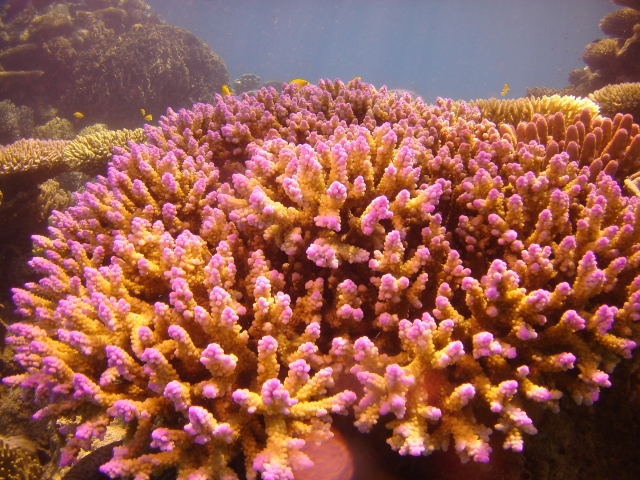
55	54
620	98
611	60
149	67
246	83
55	129
219	287
15	122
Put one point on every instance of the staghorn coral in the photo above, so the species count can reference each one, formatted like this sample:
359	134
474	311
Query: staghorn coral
516	110
92	148
620	98
212	289
18	464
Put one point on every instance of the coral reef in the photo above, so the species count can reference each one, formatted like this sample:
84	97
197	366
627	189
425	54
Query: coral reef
54	55
620	98
265	263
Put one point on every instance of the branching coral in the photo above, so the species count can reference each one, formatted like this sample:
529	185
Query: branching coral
214	285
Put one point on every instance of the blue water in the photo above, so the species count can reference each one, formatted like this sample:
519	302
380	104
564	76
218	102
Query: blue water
457	48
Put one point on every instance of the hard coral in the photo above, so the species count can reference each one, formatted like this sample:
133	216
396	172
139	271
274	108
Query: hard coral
211	289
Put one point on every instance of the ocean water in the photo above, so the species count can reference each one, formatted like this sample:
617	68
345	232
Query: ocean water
461	49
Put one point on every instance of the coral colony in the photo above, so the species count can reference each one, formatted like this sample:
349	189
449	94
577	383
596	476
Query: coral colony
214	286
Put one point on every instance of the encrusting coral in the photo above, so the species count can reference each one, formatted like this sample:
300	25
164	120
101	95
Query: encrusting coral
216	284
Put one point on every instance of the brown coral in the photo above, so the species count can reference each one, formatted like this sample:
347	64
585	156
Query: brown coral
55	54
620	98
18	464
611	60
601	54
55	129
619	23
32	155
90	153
150	67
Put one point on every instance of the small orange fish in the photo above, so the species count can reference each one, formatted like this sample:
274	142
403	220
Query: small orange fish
148	118
505	89
225	90
78	115
143	112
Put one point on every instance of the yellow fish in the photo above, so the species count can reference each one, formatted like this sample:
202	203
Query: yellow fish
78	115
143	112
148	118
505	90
225	90
301	82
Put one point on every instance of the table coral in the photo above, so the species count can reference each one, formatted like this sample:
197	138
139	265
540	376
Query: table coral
216	286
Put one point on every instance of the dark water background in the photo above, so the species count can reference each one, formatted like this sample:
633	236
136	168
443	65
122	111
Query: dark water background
450	48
